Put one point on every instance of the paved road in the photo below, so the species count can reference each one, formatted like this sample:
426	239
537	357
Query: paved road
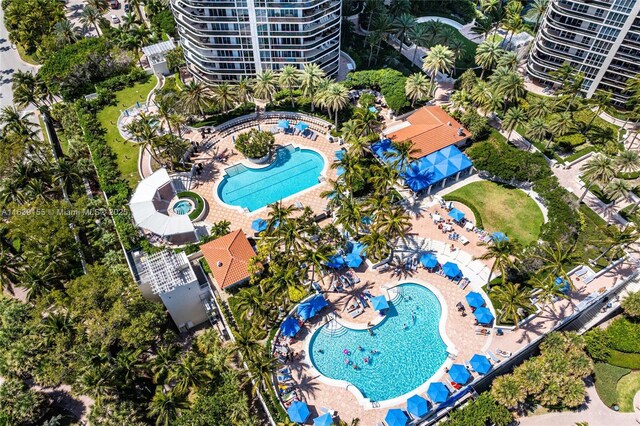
10	62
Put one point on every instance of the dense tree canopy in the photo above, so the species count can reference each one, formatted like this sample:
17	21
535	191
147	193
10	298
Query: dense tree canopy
29	21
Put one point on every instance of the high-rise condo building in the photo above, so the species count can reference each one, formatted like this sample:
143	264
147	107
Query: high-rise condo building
225	40
600	38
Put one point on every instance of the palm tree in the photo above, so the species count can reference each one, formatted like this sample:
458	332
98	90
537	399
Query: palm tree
628	161
403	24
514	117
507	391
335	97
394	222
599	101
378	246
537	129
92	16
439	59
247	341
349	215
547	291
66	32
264	85
483	27
556	258
562	123
261	370
536	12
310	80
402	154
510	86
485	97
539	107
618	189
617	238
196	98
225	96
189	373
366	121
504	252
509	60
289	78
372	8
460	99
166	406
487	55
101	5
161	363
419	36
417	87
599	169
315	258
383	25
244	89
514	302
399	7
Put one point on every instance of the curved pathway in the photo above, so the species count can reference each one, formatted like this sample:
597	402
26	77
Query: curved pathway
457	25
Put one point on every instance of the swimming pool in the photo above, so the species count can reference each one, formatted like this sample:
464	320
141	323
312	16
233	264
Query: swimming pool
292	171
405	358
182	207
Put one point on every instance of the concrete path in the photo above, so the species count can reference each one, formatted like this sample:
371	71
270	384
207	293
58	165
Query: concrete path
451	22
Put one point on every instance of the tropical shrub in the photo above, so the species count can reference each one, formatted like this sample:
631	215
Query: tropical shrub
255	143
480	412
631	304
623	333
476	124
598	344
388	81
30	21
20	405
163	22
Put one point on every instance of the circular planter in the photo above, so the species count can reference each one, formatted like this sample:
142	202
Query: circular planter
261	160
199	204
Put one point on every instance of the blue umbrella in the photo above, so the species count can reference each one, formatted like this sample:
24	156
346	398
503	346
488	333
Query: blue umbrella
318	302
379	303
335	262
459	374
451	270
366	220
438	392
417	406
298	412
396	417
259	225
474	299
289	327
340	171
283	124
323	420
373	109
302	126
429	260
358	248
483	315
499	237
480	364
456	215
563	285
339	154
353	260
306	310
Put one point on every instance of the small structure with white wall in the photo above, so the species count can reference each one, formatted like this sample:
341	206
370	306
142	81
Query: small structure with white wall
156	55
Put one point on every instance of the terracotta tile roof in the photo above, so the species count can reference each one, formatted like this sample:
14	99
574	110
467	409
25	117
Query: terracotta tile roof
429	130
228	257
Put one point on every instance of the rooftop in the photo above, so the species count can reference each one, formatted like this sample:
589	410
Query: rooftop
166	270
228	257
155	52
430	129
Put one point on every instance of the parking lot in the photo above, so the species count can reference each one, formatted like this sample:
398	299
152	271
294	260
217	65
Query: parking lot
74	11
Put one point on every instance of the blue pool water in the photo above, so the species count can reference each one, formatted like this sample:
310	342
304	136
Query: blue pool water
182	207
406	358
292	171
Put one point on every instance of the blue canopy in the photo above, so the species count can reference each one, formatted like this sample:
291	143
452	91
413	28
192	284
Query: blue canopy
456	214
563	285
259	225
447	168
461	162
340	171
429	260
283	124
373	109
381	147
289	327
379	303
438	392
302	126
450	151
298	412
336	262
451	270
480	364
356	247
459	374
323	420
417	406
436	157
339	154
318	302
499	236
474	299
396	417
306	310
418	178
353	260
483	315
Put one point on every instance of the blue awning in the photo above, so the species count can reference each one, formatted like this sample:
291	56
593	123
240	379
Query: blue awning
456	214
340	170
318	302
438	392
259	225
306	310
379	303
323	420
289	327
301	126
396	417
417	406
459	374
474	299
429	260
283	124
353	260
483	315
339	154
451	270
480	364
356	247
499	237
336	262
298	412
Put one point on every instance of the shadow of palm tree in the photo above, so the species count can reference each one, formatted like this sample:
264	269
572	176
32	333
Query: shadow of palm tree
307	385
352	293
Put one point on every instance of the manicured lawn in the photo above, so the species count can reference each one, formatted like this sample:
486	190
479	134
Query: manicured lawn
503	209
126	152
607	377
466	59
30	59
627	388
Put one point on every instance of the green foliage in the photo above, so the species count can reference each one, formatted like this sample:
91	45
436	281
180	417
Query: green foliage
598	344
255	143
20	405
624	333
197	200
624	360
467	80
164	23
476	124
389	82
175	58
30	21
482	411
606	381
217	119
631	304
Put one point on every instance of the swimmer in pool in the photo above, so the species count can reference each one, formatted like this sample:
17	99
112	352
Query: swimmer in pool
404	326
320	351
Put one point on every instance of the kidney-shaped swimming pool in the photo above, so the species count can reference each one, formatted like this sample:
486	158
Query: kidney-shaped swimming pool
402	353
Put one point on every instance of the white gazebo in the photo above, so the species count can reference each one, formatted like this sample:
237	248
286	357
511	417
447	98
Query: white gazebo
156	55
150	209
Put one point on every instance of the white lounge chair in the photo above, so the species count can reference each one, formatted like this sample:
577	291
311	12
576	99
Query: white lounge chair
504	354
492	356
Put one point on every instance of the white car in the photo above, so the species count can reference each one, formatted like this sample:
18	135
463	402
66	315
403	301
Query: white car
115	19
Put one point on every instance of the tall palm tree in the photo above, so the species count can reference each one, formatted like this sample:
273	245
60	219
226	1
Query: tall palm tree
402	25
600	100
366	121
160	364
316	257
165	407
335	97
372	8
514	117
402	154
66	32
562	123
196	98
189	373
618	189
394	222
399	7
539	107
599	169
93	16
310	80
101	5
350	215
244	89
439	59
536	11
628	161
383	25
485	97
546	290
537	129
264	85
509	60
508	391
483	27
510	86
514	302
617	238
557	258
247	341
378	246
417	87
419	36
351	167
289	78
225	96
487	55
460	99
504	253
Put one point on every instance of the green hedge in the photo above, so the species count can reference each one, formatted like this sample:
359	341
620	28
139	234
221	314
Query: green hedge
214	120
473	208
624	360
197	199
388	81
624	334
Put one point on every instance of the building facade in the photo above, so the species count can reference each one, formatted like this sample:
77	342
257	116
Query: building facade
600	38
225	40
